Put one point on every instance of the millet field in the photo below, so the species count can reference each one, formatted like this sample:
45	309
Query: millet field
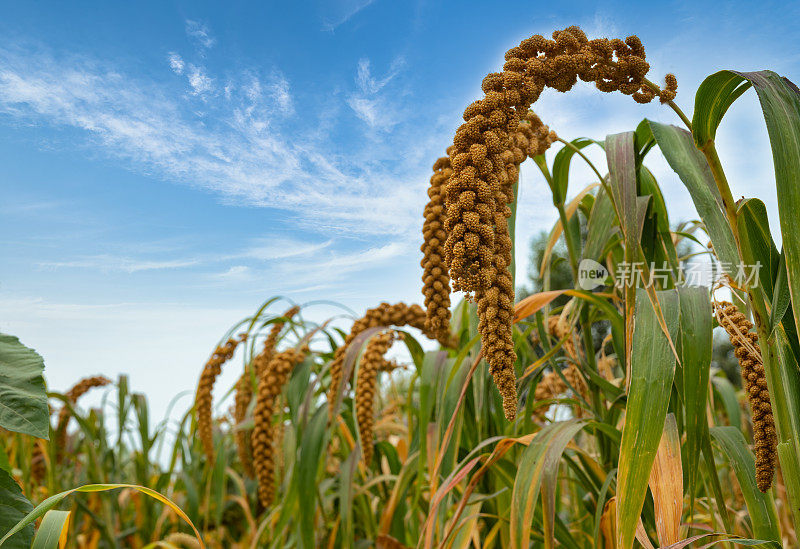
588	413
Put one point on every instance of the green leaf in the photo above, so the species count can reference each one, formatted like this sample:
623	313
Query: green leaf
727	392
599	230
53	528
780	104
13	508
696	345
622	180
756	241
715	94
678	148
760	506
23	400
51	502
537	470
652	372
561	164
312	454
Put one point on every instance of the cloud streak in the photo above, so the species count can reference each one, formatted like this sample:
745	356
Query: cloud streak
244	142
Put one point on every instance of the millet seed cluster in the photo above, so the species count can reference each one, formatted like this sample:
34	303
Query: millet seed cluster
270	385
244	389
372	362
205	386
747	351
384	315
484	164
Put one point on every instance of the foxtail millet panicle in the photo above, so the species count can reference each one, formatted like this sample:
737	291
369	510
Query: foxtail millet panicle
73	394
552	385
485	167
496	301
270	384
205	386
436	282
38	461
386	315
244	389
745	343
372	361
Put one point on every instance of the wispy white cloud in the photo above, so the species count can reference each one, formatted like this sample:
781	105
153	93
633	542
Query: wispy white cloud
367	101
176	62
240	146
200	33
107	263
342	11
200	82
282	248
236	273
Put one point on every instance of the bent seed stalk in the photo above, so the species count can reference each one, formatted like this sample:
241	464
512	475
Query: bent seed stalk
745	343
371	363
485	159
385	314
244	389
205	386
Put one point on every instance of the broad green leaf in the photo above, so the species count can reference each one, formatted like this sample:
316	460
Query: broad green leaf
757	243
622	180
652	372
561	164
760	506
696	344
715	94
13	508
683	157
26	522
600	227
780	104
23	400
727	392
786	408
537	469
346	493
53	530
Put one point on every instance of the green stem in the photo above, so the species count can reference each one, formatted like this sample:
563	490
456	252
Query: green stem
580	153
710	152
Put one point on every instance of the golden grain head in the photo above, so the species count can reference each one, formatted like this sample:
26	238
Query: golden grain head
745	343
371	363
484	160
205	386
244	389
384	315
270	385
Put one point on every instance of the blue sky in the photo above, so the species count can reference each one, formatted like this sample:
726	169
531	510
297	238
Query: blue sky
168	166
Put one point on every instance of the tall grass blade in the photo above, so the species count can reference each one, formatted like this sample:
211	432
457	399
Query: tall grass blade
537	467
666	484
53	530
695	349
652	372
683	157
